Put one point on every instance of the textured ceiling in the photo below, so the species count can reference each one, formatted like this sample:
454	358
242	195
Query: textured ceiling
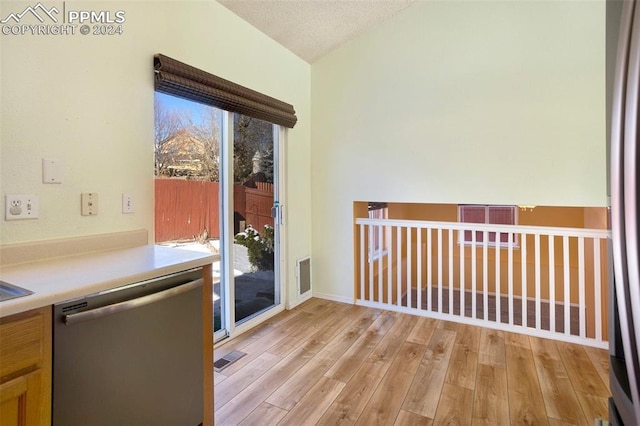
312	28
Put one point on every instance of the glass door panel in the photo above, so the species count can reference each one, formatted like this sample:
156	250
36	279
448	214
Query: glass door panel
188	138
255	228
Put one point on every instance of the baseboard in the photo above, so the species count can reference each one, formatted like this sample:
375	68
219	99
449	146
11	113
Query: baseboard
303	298
333	298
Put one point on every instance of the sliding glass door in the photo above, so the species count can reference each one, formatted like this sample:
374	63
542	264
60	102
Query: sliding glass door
216	189
251	238
255	245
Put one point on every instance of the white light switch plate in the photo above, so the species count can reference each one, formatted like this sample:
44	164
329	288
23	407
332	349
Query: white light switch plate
51	170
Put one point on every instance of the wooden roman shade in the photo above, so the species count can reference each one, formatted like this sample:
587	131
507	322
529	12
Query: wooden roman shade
176	78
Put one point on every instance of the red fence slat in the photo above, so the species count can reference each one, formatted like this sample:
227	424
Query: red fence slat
187	209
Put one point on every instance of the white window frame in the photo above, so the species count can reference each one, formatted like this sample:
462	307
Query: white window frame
378	249
487	208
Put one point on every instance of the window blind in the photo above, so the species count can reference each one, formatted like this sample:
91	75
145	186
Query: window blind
179	79
497	215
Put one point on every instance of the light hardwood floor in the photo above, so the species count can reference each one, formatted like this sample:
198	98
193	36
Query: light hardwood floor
330	363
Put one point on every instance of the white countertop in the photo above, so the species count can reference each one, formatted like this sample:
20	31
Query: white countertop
54	281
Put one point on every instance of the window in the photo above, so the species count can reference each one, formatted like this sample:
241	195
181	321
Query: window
378	241
494	215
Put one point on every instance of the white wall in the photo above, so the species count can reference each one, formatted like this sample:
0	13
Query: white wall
457	102
88	101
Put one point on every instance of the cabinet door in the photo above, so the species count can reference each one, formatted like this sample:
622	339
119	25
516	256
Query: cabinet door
20	399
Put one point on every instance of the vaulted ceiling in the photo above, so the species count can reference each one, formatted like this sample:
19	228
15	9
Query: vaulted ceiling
312	28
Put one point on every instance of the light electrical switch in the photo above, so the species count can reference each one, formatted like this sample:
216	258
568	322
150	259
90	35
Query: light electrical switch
51	170
89	201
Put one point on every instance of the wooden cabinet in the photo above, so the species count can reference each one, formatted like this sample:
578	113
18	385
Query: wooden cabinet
25	368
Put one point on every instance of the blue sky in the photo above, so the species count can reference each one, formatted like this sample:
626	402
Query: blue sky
194	110
175	103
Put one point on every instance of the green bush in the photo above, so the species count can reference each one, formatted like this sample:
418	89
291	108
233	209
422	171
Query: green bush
259	247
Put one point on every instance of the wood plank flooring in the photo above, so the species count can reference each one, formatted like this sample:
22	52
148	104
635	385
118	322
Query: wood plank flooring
328	363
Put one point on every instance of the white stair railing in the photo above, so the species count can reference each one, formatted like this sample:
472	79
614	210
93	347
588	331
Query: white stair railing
543	281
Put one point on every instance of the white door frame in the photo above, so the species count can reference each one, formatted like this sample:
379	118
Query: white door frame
227	286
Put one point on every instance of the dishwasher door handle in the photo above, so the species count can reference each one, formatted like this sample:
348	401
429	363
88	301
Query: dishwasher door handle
130	304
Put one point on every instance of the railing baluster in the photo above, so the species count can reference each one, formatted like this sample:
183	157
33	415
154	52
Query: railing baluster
485	275
537	281
409	275
510	272
567	285
429	272
463	278
389	266
552	283
381	251
498	283
399	268
363	256
581	286
419	268
440	270
598	287
473	274
523	288
450	271
370	298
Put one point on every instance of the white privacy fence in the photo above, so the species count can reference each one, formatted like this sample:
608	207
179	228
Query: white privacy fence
543	281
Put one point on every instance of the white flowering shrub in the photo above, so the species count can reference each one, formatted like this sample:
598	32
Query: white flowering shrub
259	246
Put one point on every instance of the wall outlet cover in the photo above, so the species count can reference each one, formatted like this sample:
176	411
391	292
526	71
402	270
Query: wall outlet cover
17	207
127	203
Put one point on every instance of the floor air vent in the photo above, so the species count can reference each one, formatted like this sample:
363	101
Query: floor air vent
227	360
304	275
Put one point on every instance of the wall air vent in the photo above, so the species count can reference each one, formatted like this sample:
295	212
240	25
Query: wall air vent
303	275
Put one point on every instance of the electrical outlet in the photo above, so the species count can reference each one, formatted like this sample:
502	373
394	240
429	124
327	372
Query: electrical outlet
89	201
18	207
127	203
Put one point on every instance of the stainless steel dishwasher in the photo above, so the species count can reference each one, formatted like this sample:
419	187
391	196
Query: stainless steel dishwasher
131	356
